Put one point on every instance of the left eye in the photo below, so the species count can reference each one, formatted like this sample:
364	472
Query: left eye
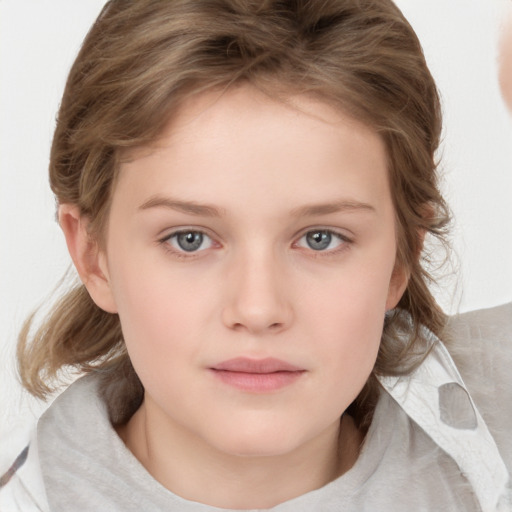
189	241
321	240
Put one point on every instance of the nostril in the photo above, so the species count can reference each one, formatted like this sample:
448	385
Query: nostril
239	326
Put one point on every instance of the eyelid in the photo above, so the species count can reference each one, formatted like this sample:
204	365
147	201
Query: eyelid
342	233
345	240
165	241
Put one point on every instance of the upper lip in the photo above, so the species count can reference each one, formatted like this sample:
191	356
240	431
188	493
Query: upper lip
248	365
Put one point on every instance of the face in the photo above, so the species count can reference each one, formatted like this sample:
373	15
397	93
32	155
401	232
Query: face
250	255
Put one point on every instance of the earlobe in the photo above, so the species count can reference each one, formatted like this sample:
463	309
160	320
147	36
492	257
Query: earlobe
87	257
397	286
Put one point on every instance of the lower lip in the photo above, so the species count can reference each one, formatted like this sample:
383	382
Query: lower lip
258	382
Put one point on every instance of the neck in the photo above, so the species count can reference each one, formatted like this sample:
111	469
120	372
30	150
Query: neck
198	472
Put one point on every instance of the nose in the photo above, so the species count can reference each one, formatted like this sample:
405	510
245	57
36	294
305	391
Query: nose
259	297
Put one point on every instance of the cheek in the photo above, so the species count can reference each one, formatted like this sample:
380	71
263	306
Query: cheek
349	336
158	310
357	291
347	313
357	305
162	336
352	329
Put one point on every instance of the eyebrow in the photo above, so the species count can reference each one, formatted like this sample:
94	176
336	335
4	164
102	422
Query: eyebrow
189	207
206	210
334	207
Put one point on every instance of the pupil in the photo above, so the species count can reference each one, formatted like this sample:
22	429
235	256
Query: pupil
318	240
190	241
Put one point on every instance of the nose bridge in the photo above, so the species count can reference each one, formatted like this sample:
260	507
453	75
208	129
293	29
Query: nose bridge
258	299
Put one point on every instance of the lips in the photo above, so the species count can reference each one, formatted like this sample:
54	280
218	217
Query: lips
257	375
246	365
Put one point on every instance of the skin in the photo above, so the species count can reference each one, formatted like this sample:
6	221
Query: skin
505	59
254	289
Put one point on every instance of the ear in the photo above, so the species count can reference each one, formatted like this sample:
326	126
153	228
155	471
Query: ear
397	286
90	261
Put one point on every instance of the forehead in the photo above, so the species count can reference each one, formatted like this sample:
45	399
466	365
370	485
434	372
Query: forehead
244	101
240	140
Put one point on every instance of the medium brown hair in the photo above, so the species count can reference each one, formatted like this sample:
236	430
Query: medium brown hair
142	58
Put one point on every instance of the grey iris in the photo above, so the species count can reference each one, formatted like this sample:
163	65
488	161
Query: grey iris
318	240
190	240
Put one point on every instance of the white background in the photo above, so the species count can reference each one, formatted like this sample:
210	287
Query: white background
39	39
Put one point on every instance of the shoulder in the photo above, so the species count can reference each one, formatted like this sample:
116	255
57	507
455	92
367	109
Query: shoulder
490	326
21	481
48	447
480	343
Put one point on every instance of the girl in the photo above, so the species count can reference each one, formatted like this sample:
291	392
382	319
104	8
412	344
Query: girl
244	188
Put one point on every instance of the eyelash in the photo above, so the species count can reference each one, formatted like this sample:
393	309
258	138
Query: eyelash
345	243
182	254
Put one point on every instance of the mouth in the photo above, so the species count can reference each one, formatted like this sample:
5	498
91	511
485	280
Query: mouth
257	375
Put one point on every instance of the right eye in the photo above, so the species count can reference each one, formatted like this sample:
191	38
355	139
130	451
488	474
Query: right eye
188	241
